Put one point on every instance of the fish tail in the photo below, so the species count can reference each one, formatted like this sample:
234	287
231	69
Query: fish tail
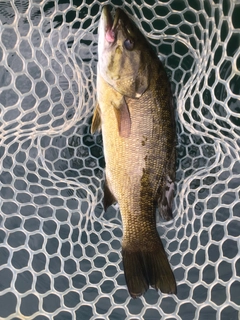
144	267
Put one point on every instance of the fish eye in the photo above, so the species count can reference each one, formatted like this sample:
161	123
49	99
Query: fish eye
128	44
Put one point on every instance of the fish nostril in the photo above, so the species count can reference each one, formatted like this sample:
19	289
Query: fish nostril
118	50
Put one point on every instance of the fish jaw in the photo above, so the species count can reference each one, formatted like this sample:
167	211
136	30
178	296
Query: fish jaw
106	33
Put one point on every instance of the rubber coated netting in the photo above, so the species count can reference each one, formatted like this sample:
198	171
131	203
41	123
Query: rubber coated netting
60	254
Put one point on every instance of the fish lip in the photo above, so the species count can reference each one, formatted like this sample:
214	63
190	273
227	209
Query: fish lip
110	24
116	18
107	18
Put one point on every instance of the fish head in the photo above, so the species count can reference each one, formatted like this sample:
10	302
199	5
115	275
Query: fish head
124	54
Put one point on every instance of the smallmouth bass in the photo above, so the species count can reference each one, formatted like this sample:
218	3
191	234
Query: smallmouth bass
135	114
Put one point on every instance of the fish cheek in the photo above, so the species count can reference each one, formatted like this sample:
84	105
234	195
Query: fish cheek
115	66
141	75
135	85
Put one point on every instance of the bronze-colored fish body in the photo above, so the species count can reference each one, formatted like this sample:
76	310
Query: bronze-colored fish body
135	114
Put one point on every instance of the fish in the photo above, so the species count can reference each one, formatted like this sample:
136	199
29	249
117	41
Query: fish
134	112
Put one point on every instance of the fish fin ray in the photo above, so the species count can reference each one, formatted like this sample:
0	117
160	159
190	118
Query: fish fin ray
96	121
159	271
147	267
135	273
123	118
109	198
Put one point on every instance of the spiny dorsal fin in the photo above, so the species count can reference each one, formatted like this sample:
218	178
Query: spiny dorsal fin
96	121
123	118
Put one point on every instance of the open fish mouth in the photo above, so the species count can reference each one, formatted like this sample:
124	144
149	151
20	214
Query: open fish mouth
110	24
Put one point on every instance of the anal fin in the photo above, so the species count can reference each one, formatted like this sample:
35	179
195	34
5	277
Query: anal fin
166	190
166	198
108	198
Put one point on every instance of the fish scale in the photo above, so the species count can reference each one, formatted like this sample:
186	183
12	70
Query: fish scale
136	118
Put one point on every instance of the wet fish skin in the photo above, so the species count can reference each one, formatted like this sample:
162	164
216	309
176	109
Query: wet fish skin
135	115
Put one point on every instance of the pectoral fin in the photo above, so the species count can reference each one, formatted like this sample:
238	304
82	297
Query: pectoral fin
96	121
123	118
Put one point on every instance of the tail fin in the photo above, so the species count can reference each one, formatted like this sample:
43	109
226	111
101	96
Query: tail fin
147	267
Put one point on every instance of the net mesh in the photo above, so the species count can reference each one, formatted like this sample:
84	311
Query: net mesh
60	254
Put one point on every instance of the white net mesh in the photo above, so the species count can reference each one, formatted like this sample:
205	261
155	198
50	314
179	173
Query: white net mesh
60	254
